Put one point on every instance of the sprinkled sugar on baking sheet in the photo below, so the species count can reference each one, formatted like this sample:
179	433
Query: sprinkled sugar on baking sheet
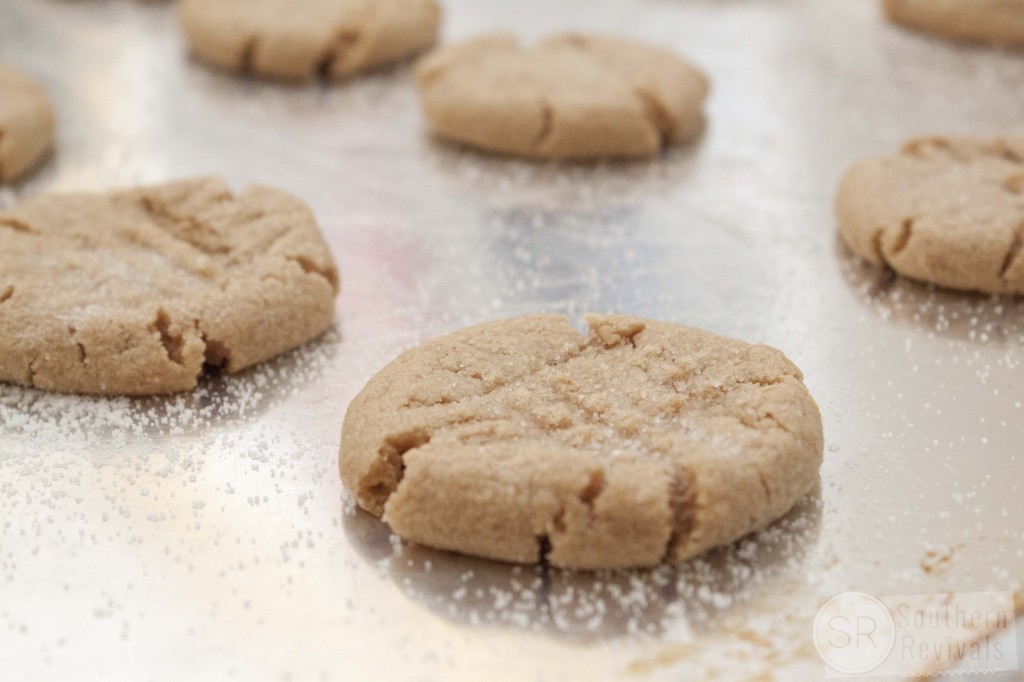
207	535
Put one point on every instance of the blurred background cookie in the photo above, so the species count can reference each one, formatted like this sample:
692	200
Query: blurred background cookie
299	40
26	123
948	210
996	22
571	96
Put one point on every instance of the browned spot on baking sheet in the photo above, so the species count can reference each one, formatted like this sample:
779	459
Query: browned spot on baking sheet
938	560
6	293
664	658
1014	184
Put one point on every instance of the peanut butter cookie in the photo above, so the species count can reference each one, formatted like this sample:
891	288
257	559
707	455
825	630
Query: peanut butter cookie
523	440
26	123
572	96
133	292
996	22
948	210
301	39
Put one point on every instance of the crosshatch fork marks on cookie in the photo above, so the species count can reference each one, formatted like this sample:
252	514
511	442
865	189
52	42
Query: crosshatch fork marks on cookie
159	285
569	423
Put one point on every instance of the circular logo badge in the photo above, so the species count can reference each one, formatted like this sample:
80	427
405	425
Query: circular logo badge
854	633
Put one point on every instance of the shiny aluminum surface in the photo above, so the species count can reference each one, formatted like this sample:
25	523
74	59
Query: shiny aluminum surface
207	536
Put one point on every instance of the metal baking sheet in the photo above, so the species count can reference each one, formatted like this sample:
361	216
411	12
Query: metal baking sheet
207	536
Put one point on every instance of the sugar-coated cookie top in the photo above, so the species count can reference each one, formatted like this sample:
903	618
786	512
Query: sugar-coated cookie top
640	442
133	291
948	210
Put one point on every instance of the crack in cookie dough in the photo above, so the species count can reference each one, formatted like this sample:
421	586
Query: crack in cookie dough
15	225
906	231
570	96
306	39
943	210
1014	184
659	115
27	123
341	45
311	267
1013	252
139	291
547	125
639	443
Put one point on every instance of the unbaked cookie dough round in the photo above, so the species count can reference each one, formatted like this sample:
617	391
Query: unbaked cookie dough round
301	39
572	96
996	22
948	210
26	123
134	291
524	440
